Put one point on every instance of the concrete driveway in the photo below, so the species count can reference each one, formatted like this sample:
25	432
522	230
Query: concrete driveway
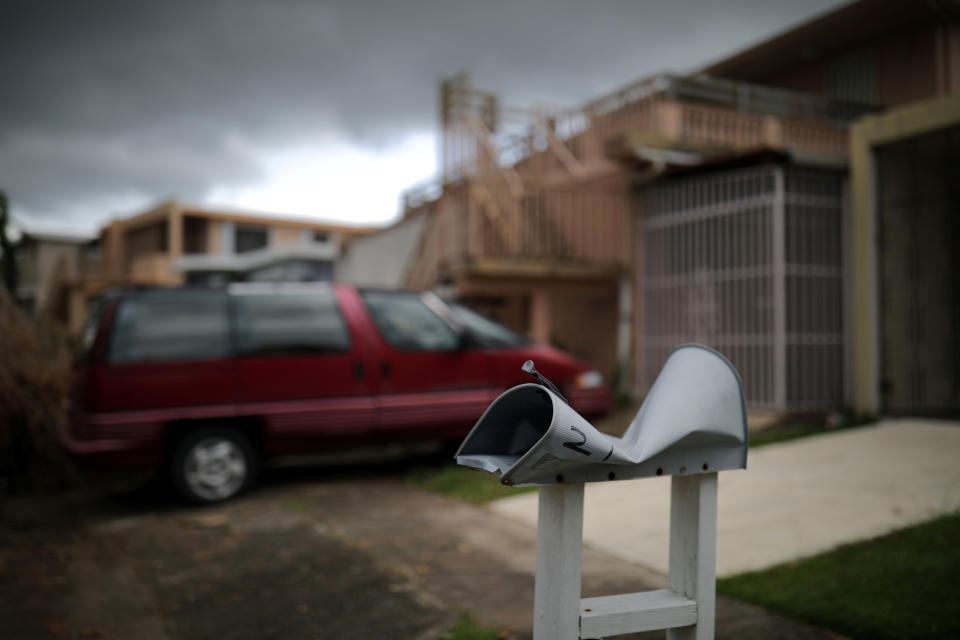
796	499
351	552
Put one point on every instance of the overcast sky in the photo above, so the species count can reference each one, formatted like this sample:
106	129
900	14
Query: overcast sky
323	110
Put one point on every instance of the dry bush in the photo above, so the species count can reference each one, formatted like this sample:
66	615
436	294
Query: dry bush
34	391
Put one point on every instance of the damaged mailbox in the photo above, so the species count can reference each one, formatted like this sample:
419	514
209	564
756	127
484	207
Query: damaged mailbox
693	420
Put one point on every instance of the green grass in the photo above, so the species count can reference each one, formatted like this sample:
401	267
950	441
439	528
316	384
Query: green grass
465	484
785	432
467	629
902	585
795	430
297	506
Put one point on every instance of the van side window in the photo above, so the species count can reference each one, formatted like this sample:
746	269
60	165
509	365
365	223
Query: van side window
407	323
182	326
277	323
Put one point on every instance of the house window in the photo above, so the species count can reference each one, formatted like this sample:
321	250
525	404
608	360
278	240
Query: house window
91	252
321	236
194	235
250	239
852	78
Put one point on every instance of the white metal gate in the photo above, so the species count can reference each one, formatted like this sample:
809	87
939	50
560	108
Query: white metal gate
749	262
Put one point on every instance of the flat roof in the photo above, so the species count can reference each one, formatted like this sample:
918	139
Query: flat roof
164	209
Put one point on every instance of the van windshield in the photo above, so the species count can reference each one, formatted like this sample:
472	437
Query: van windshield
88	334
485	331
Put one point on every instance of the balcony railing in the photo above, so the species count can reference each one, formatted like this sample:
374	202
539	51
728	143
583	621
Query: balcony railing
547	228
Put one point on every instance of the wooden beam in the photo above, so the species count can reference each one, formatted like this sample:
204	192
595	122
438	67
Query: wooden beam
635	612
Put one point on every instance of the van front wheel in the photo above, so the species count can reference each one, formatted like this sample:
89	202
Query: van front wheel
212	464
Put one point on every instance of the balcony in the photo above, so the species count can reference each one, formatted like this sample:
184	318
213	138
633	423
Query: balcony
550	190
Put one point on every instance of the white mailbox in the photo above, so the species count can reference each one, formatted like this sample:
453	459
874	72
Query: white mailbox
692	424
692	420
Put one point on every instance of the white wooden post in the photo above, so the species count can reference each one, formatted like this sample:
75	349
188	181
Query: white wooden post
686	610
693	550
556	601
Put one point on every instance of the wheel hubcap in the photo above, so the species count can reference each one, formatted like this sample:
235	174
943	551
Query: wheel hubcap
215	468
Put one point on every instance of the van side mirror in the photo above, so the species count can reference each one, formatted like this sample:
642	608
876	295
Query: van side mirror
693	420
466	339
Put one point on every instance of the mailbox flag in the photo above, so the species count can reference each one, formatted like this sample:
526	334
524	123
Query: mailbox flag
693	420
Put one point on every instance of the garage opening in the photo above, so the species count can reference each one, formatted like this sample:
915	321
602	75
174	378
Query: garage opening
918	214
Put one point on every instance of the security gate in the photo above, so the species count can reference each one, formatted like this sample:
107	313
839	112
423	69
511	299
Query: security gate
750	262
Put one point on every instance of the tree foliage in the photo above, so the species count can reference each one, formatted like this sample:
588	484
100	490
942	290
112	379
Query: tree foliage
34	391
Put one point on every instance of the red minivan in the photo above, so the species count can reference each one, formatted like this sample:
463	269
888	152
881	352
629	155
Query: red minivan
205	384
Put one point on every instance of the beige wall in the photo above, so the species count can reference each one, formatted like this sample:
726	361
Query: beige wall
154	269
280	236
214	241
580	317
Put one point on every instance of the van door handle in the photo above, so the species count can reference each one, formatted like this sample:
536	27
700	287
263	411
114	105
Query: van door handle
358	371
385	369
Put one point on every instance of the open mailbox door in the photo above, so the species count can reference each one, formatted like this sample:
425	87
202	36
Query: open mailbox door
692	421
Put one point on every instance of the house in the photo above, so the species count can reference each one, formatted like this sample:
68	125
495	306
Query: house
49	262
901	296
176	244
715	207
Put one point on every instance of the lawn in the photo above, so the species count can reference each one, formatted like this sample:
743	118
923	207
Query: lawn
902	585
463	483
467	629
794	429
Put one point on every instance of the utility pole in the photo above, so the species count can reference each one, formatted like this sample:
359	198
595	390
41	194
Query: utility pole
6	247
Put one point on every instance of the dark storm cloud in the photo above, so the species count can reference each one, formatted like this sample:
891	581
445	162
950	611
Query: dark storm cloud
146	99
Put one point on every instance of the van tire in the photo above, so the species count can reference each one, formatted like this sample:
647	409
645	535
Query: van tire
213	464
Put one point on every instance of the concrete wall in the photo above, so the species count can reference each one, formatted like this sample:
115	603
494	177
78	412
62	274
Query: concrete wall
382	259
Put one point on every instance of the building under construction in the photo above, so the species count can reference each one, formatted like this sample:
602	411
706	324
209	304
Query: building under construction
731	207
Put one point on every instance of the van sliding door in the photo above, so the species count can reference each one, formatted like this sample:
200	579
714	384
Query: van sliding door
301	368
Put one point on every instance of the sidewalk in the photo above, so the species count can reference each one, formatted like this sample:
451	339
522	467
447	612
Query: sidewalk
796	499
